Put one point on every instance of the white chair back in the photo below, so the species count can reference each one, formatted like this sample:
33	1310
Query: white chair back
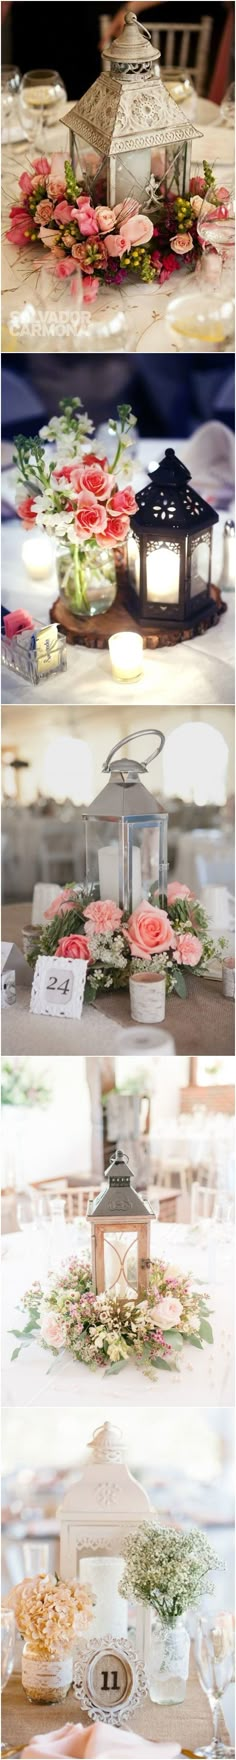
203	1203
182	46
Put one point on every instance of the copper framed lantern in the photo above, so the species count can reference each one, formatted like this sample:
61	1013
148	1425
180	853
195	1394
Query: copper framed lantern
169	550
126	131
120	1231
126	832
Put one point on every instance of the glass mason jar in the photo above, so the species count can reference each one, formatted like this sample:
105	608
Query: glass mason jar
168	1665
87	577
44	1680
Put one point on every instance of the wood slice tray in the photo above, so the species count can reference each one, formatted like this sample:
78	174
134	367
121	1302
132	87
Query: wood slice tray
94	632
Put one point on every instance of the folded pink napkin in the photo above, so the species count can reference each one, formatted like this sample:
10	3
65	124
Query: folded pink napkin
98	1743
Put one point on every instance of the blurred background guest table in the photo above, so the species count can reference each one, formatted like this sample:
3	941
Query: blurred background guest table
138	311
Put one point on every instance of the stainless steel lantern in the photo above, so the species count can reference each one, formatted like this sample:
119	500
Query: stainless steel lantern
126	833
126	129
120	1230
170	549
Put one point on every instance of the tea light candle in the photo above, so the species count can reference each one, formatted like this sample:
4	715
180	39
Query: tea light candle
38	556
126	654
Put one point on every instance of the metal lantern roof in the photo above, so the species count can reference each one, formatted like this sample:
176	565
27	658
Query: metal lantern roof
125	797
128	106
120	1199
169	503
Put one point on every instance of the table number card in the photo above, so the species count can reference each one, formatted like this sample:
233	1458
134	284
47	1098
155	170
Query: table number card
109	1681
58	986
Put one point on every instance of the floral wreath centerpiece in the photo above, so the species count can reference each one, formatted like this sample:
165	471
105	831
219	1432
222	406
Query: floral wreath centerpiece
107	1331
173	941
80	498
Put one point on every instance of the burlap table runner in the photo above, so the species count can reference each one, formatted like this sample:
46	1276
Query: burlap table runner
205	1019
189	1724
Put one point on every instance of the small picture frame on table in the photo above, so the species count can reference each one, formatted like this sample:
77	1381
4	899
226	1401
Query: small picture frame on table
58	987
109	1680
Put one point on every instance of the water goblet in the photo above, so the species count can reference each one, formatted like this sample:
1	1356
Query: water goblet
42	94
10	85
214	1651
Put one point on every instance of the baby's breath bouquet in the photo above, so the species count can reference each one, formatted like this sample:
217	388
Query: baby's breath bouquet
168	1569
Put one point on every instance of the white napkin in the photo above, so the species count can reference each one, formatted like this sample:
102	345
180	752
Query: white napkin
210	458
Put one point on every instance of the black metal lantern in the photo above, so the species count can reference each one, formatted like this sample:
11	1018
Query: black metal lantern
170	550
126	832
126	131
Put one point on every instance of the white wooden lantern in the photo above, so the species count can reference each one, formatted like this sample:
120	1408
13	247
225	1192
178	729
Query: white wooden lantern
98	1513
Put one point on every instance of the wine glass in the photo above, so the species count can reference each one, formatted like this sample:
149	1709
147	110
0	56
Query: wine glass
42	95
10	86
216	231
214	1651
8	1638
227	108
24	1210
202	320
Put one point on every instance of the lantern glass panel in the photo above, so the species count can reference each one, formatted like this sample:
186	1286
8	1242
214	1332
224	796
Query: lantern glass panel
133	553
90	166
121	1263
163	573
200	557
125	858
131	173
103	1574
169	165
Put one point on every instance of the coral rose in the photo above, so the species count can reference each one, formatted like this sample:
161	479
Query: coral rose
90	516
73	947
188	950
53	1330
92	476
116	530
176	890
123	501
149	931
167	1312
25	510
43	212
104	916
181	243
65	268
63	212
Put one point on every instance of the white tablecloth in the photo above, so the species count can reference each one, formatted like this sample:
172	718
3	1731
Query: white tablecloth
144	306
204	1378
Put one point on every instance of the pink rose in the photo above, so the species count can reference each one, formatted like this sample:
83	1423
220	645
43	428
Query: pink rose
167	1312
25	510
188	950
63	212
106	218
115	244
86	218
116	530
136	231
25	183
181	244
60	904
53	1330
63	470
93	477
73	947
149	931
90	516
42	166
123	501
177	890
64	268
104	916
197	186
56	182
43	212
22	230
90	289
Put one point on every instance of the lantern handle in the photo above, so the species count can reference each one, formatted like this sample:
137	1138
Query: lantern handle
144	731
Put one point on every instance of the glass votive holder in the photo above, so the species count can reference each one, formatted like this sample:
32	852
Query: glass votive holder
228	975
126	655
38	556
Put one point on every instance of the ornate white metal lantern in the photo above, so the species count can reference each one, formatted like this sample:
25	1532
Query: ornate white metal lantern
126	832
120	1234
126	128
98	1513
170	550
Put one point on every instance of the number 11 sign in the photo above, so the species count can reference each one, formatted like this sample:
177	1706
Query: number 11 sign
58	986
109	1680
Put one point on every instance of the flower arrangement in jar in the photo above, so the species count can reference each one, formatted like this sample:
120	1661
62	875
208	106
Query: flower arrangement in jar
49	1614
170	1571
81	499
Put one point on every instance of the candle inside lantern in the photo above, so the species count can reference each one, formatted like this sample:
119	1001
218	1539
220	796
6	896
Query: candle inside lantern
126	654
110	1613
121	1264
108	867
163	574
38	556
133	172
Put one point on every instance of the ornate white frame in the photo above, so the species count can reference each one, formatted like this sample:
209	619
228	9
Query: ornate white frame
47	966
136	1678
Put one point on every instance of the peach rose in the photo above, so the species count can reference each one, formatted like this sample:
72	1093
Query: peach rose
60	904
43	212
53	1331
149	931
123	501
181	243
188	950
136	231
177	890
92	476
106	219
115	244
116	530
167	1312
56	182
104	916
90	516
73	947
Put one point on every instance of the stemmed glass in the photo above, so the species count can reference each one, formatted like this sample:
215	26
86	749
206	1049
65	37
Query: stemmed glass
42	94
216	231
214	1651
7	1653
10	86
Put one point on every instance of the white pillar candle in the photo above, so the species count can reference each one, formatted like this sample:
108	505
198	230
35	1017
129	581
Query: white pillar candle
121	1255
110	1613
38	556
126	655
133	171
108	868
163	575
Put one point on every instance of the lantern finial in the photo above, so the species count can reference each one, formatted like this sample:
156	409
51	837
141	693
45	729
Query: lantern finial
107	1444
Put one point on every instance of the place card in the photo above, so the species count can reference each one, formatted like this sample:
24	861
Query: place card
58	986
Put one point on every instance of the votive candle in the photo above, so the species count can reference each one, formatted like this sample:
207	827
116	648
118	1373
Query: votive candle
38	556
126	654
